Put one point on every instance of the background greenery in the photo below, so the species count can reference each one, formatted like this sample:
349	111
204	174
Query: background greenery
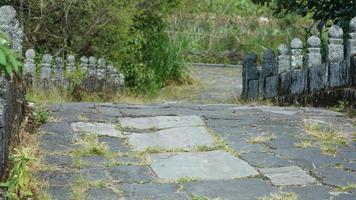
150	40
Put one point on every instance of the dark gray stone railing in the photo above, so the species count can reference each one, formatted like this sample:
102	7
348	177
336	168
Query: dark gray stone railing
12	101
293	78
53	73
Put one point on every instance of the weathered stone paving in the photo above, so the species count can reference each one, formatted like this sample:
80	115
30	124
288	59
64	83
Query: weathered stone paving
185	151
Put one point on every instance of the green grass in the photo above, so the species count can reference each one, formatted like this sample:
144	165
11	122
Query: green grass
347	188
91	147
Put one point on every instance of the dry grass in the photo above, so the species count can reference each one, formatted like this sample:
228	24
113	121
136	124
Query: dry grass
263	138
328	139
91	146
280	196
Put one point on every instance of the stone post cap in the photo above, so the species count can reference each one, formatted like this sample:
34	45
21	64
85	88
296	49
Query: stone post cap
70	59
30	54
92	60
250	57
84	59
268	54
314	41
7	13
102	62
59	61
353	24
283	49
296	43
335	32
46	58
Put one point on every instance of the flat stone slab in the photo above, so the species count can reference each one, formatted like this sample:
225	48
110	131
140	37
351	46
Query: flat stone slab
173	138
160	122
97	128
291	175
212	165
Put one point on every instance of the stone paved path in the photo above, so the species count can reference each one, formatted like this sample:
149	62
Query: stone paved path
184	151
222	84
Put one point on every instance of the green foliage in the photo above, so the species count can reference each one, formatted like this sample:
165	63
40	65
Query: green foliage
340	11
18	182
41	117
9	58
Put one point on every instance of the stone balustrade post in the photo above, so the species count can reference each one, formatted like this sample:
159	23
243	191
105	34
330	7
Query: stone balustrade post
58	72
336	72
70	68
45	77
250	76
100	74
314	63
84	64
351	53
269	74
314	55
283	58
296	54
29	68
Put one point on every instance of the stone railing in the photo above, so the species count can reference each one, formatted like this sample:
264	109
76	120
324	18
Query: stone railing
12	101
56	73
293	78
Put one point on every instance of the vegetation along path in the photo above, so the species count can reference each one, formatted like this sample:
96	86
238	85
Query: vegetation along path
190	151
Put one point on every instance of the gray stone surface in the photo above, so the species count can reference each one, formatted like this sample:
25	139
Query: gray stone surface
160	122
241	189
103	129
317	78
314	55
335	176
140	177
101	193
311	192
291	175
174	138
153	191
213	165
131	174
299	81
250	77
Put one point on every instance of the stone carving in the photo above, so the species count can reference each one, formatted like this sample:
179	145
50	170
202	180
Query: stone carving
314	55
46	71
30	67
84	63
283	58
296	53
92	66
250	76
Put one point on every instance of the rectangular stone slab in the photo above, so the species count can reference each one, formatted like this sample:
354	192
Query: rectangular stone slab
96	128
212	165
291	175
184	137
160	122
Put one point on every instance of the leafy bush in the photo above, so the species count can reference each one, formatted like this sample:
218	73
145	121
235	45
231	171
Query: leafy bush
20	177
8	57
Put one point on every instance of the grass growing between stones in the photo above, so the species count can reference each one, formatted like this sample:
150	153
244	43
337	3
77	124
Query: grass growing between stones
263	138
90	146
81	185
347	188
280	196
194	197
328	139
